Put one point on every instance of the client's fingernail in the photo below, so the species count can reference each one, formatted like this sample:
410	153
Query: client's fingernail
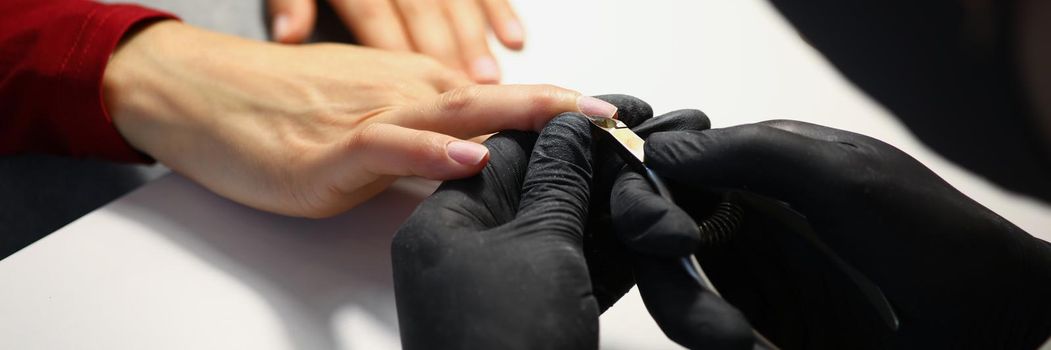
280	29
594	107
514	31
485	70
466	153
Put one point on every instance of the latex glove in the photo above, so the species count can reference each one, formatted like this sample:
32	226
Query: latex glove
514	258
957	275
454	32
309	130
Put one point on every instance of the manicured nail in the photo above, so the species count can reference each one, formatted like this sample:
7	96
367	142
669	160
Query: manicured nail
485	70
466	153
514	31
594	107
280	27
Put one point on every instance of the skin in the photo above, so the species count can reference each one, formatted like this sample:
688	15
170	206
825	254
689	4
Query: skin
455	32
309	130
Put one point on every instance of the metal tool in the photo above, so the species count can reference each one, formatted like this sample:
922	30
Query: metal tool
631	151
722	223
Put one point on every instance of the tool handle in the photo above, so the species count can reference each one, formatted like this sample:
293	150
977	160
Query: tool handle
715	229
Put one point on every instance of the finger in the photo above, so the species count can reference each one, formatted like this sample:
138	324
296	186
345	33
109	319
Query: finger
481	109
429	31
480	139
816	132
556	187
688	313
375	23
648	223
505	23
387	149
471	33
292	20
683	119
758	158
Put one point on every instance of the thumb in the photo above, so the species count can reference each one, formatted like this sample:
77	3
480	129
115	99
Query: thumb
756	157
556	187
387	149
291	20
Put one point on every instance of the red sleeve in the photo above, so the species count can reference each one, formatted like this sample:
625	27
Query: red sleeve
52	57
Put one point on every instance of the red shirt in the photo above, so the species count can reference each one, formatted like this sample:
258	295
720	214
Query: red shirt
52	57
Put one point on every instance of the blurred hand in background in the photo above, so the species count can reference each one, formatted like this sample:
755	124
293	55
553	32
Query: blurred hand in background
454	32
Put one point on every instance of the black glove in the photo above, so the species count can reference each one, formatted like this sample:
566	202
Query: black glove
515	258
956	274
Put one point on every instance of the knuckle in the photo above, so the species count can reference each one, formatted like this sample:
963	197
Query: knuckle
365	138
423	147
785	124
459	99
752	132
544	96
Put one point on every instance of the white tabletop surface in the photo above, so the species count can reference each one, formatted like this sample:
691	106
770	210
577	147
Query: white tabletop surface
172	266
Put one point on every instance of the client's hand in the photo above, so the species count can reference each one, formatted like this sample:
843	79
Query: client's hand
309	130
454	32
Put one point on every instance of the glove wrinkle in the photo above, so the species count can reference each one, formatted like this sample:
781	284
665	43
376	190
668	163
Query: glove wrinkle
956	274
521	256
556	186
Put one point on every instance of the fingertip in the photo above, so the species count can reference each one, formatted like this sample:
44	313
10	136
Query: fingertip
291	21
387	149
569	123
461	159
669	149
685	119
512	35
466	153
280	29
595	107
505	23
484	70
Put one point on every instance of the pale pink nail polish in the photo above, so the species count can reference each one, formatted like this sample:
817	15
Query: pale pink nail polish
594	107
466	153
280	29
514	31
485	70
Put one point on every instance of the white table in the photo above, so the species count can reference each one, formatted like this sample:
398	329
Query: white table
172	266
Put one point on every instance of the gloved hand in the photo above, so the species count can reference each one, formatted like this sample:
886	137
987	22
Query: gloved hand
956	274
519	257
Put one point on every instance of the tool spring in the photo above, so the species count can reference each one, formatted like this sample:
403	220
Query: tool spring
719	227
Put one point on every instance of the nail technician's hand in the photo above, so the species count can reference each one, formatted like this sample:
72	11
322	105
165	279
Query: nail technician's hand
957	275
454	32
309	130
519	256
